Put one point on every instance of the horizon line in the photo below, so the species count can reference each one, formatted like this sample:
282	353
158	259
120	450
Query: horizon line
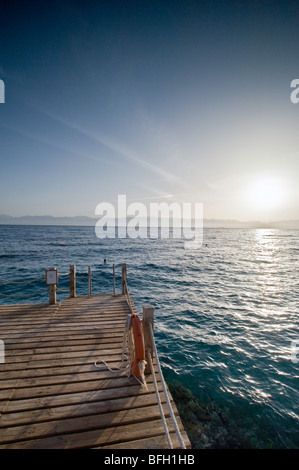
251	222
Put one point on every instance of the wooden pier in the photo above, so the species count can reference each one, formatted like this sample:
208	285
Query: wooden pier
55	393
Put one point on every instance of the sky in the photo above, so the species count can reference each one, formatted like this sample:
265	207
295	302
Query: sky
174	101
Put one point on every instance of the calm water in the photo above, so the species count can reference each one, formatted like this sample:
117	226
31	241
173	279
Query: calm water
225	314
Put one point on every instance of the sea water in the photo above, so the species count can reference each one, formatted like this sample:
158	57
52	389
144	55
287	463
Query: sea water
226	315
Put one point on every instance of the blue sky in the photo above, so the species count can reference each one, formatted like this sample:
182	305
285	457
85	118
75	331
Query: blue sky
161	101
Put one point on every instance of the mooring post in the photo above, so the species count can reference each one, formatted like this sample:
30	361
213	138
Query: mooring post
123	278
148	324
72	280
52	294
51	281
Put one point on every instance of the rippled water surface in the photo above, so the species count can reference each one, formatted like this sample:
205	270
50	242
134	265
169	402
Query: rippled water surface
225	315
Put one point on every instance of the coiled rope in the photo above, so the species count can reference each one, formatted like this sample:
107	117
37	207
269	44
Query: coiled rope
127	356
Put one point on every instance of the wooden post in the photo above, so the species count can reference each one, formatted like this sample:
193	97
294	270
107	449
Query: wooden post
123	278
52	294
51	281
148	322
73	281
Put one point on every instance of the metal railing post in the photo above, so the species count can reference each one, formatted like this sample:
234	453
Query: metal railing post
89	281
113	279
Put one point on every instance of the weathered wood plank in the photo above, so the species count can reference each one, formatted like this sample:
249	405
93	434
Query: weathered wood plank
79	398
49	372
52	395
57	349
90	359
64	388
77	424
120	433
89	408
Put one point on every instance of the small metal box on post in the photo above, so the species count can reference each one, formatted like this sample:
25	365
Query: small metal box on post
72	281
123	278
51	281
148	328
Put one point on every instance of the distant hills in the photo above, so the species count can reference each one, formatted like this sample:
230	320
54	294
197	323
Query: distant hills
91	221
280	224
46	220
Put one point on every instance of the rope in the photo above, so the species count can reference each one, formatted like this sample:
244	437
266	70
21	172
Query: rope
159	401
23	296
128	297
124	356
127	354
63	274
61	290
182	444
23	282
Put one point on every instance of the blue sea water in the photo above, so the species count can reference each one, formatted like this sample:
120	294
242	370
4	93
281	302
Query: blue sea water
225	314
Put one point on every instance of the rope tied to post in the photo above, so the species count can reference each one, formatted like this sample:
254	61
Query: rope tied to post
22	282
24	296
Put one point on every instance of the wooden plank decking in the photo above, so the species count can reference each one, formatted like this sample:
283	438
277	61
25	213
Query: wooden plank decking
51	393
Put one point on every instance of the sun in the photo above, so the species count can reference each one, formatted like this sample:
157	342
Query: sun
267	194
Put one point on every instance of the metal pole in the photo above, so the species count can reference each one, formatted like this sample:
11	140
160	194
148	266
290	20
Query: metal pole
89	281
113	279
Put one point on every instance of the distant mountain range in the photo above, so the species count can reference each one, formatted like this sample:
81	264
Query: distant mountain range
46	220
91	221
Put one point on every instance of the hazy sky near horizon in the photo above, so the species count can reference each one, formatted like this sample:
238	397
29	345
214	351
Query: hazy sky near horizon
176	101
